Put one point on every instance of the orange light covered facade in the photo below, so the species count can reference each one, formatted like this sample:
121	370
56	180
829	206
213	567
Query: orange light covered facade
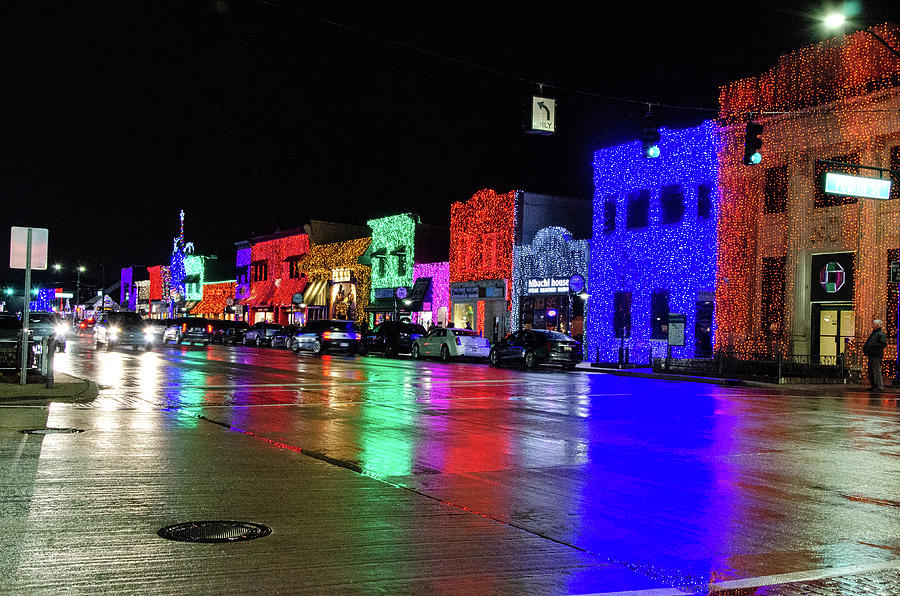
838	100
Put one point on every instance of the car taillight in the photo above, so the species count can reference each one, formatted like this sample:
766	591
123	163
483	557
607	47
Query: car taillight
459	343
184	327
357	336
209	328
326	335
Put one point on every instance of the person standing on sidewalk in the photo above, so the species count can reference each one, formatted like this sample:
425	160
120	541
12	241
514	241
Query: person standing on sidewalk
874	351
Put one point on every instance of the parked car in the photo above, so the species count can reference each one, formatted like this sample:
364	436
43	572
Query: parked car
448	343
392	338
229	332
320	337
10	332
157	328
114	329
196	330
260	334
537	346
174	330
285	337
48	324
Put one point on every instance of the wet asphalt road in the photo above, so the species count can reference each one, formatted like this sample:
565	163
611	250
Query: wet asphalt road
402	475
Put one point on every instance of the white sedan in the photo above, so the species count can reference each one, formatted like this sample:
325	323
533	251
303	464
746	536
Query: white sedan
451	343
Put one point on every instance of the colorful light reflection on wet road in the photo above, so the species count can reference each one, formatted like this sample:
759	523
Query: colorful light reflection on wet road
684	483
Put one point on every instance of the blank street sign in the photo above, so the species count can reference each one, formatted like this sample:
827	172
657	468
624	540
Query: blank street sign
17	247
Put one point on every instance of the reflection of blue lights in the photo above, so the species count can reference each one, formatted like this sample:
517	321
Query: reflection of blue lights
679	257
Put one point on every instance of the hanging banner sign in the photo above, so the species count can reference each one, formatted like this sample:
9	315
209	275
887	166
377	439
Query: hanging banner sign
857	186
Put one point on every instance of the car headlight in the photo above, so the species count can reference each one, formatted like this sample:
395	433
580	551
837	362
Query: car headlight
148	332
61	330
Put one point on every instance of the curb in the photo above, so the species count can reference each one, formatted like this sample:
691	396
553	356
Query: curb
86	390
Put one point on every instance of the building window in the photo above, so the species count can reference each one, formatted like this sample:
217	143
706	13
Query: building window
772	299
294	271
895	165
470	252
381	266
622	315
704	200
401	261
890	319
828	200
259	271
671	201
659	314
776	190
609	214
638	214
489	252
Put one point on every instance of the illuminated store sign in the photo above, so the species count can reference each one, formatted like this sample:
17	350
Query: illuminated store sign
548	285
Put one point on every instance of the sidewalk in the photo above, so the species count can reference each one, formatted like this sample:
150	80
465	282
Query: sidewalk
806	388
65	388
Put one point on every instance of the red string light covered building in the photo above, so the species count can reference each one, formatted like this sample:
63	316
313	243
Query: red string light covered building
481	250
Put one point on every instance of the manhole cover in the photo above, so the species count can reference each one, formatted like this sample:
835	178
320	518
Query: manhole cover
51	431
215	531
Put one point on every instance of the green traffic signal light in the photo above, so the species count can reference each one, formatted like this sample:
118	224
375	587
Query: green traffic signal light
652	151
756	158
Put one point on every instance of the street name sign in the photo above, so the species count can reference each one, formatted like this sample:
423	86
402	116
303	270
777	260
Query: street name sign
857	186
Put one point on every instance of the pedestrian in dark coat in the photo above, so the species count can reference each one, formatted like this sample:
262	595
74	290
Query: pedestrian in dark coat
874	351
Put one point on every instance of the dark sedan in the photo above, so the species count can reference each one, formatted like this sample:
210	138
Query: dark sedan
320	337
537	346
391	338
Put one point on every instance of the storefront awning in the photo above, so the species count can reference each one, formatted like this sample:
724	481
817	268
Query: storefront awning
260	294
285	292
315	294
389	304
189	306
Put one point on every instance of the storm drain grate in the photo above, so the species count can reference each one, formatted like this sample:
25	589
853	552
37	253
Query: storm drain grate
215	531
51	431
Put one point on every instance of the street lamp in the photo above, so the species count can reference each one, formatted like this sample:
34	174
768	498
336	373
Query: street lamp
837	20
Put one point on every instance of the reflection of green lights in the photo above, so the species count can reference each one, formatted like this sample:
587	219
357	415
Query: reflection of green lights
387	438
393	234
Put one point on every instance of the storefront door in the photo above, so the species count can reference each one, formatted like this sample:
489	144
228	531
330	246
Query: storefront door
832	327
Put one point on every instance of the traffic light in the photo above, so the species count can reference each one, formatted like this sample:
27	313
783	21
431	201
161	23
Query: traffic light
752	143
650	136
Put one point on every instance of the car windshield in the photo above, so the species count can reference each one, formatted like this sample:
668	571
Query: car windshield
341	326
554	335
415	329
129	319
42	317
465	333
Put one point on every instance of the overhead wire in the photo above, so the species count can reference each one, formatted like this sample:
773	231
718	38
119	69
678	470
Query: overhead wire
482	67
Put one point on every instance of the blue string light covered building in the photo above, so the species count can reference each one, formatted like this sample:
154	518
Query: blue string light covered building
653	250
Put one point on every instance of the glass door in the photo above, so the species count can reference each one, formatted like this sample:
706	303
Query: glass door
836	326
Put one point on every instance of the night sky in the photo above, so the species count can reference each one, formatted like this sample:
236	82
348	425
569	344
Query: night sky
253	117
